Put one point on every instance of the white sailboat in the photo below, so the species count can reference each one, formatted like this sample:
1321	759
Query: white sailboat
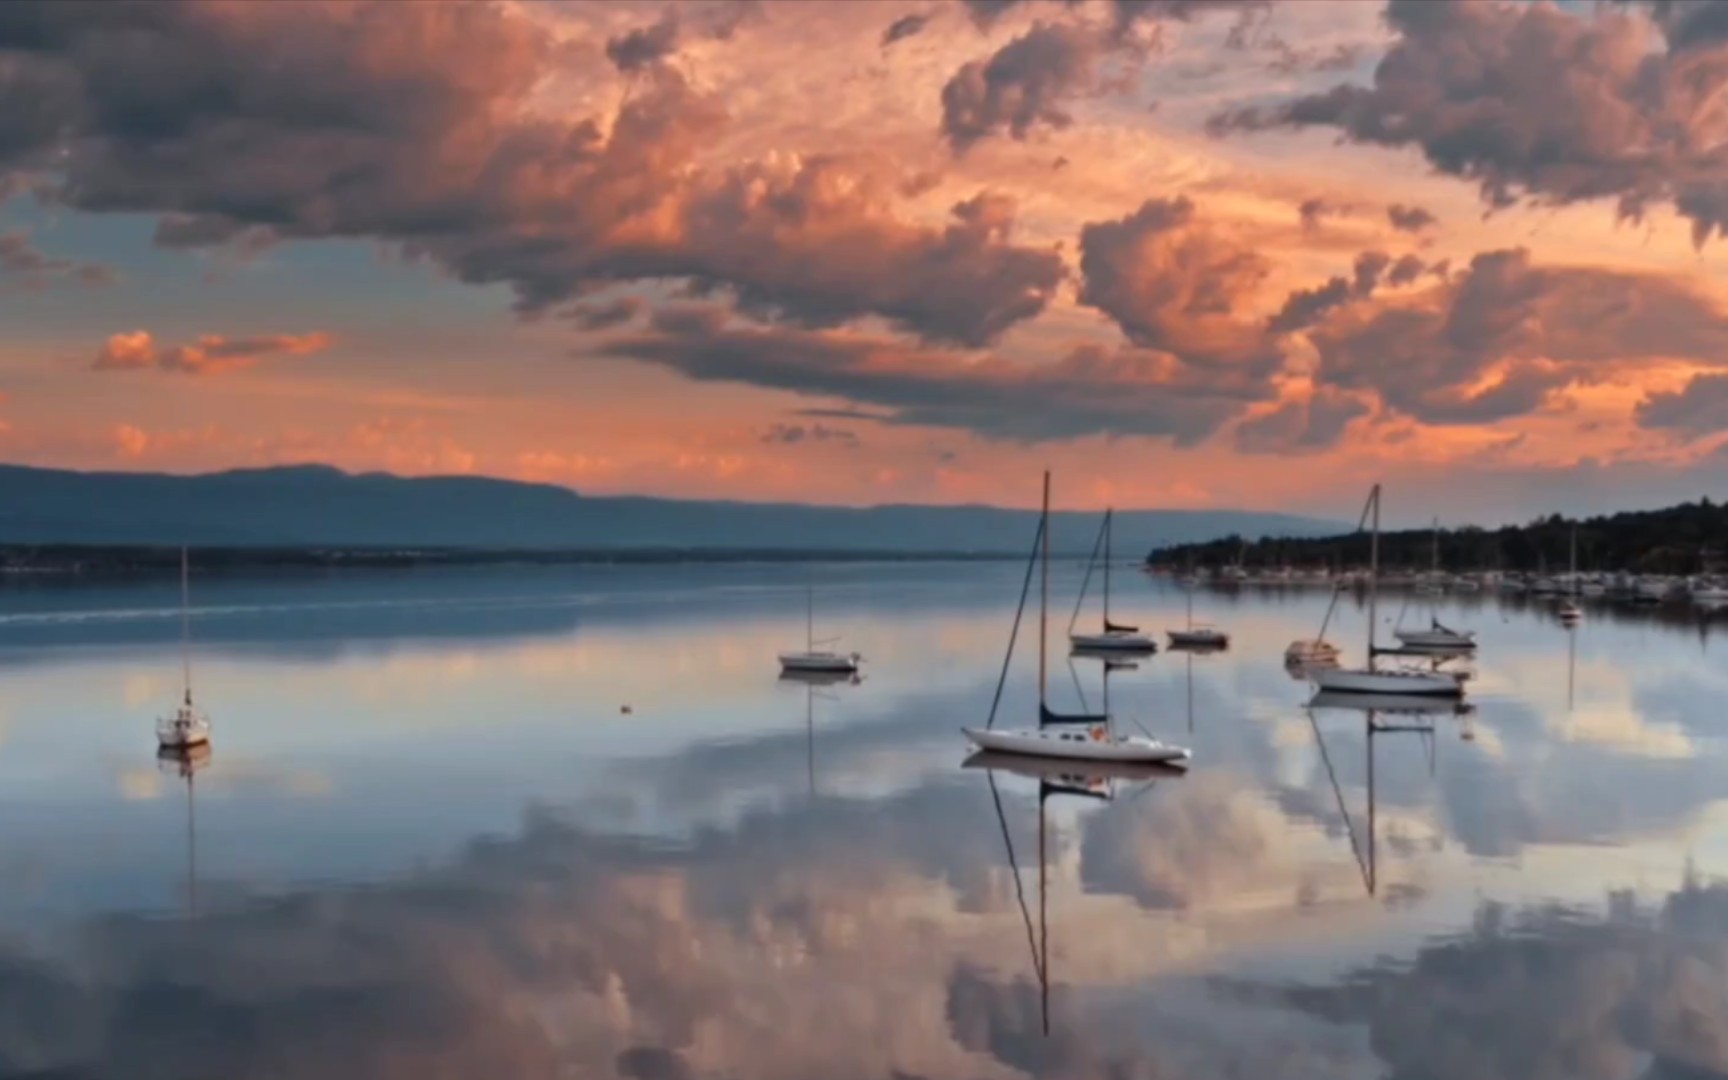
812	658
1067	736
1437	635
1570	612
1370	679
188	726
1116	637
1197	636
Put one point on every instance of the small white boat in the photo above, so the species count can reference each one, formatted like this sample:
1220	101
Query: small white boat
1570	612
1112	637
813	659
1436	683
1197	635
1437	636
1711	594
188	727
1094	744
1311	651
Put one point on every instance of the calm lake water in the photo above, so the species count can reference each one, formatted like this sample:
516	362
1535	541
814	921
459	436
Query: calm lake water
430	842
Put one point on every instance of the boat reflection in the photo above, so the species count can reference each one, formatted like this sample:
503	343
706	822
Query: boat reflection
813	682
1096	780
185	762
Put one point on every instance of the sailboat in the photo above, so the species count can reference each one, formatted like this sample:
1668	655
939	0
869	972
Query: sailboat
1197	636
1370	679
812	658
1570	612
1082	736
1437	635
188	726
1092	780
1116	637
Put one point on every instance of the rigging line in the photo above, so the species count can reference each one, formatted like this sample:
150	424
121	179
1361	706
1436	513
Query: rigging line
1085	706
1014	868
1091	560
1013	635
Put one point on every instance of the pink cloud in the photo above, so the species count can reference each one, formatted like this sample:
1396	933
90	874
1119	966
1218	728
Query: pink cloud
211	354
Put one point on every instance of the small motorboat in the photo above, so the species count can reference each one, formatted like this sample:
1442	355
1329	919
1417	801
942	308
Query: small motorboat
1311	651
1096	743
1570	612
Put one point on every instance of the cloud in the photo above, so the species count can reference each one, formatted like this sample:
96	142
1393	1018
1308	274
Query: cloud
645	46
25	264
1540	101
904	27
417	126
1023	86
1172	283
1701	408
792	434
211	354
1409	218
1496	340
1312	423
608	315
1089	391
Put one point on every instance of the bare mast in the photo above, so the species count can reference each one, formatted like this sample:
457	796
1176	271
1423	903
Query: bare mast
186	626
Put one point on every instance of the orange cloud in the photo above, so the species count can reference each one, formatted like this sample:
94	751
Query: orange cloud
211	354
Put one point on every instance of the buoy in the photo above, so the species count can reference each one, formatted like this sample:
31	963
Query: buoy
626	710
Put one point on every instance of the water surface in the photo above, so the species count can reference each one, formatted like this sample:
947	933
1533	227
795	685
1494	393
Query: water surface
568	821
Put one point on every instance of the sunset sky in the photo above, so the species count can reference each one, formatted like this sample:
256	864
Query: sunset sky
1184	252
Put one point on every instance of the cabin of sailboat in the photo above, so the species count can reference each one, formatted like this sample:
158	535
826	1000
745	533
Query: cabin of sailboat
187	726
1112	636
812	658
1085	736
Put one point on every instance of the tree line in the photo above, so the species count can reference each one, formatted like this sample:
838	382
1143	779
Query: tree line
1691	538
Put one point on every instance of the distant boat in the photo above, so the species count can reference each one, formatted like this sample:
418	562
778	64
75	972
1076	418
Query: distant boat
1371	680
188	726
1202	636
1437	635
1570	612
1117	637
1064	736
813	659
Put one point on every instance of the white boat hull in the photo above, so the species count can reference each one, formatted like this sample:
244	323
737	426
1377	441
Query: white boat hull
1434	639
182	731
1117	641
819	662
1345	681
1083	745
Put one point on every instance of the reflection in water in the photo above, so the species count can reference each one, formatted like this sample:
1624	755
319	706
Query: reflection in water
184	762
813	680
477	866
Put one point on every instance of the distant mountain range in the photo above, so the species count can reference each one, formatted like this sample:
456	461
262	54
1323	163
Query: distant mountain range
318	506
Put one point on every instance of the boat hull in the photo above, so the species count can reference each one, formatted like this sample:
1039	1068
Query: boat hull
1112	642
1070	772
1076	746
1399	683
1198	639
1434	639
829	663
1415	704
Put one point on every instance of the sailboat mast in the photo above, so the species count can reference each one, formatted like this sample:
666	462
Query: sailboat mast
1044	596
1373	574
810	618
1108	513
186	624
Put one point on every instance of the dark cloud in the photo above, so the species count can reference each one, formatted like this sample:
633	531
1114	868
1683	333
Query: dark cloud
606	316
1304	307
211	354
1090	391
409	125
792	434
1406	270
1409	218
1171	283
24	265
645	46
1023	86
1496	340
904	27
1028	82
1313	212
1314	423
1537	100
1701	408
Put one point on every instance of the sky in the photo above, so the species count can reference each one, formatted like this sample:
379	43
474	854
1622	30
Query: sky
1184	253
